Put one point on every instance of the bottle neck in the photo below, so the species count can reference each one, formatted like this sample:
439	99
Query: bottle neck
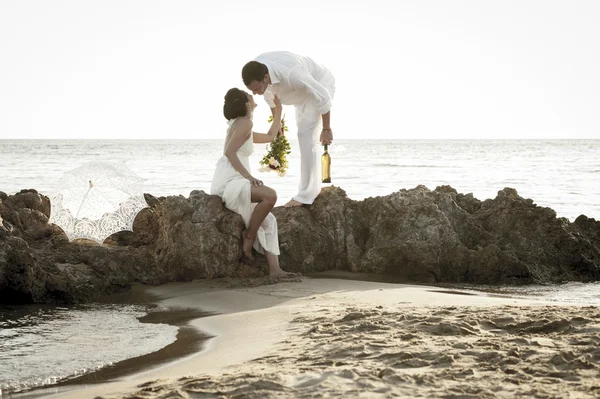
325	145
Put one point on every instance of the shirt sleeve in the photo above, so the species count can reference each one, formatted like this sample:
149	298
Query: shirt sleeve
300	79
269	97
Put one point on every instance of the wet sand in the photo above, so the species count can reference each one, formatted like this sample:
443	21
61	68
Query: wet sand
309	338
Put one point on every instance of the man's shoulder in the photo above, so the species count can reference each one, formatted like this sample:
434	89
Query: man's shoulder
278	56
276	53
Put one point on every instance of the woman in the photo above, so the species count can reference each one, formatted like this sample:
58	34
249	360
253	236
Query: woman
241	192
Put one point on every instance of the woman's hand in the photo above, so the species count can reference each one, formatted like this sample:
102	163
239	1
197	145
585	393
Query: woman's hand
277	103
255	182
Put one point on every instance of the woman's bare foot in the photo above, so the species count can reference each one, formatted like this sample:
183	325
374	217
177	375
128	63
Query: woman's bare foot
279	273
293	203
247	244
274	268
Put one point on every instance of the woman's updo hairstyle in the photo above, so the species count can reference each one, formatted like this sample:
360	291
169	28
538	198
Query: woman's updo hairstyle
235	104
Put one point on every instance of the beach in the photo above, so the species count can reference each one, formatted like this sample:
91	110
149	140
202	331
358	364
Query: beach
211	326
447	244
329	337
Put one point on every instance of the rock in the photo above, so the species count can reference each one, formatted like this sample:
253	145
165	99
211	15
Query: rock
197	237
31	199
553	248
145	227
28	211
417	235
17	266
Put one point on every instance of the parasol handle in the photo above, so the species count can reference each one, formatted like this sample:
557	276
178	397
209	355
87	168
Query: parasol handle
84	198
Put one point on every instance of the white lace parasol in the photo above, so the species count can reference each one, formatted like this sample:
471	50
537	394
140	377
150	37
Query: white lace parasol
96	200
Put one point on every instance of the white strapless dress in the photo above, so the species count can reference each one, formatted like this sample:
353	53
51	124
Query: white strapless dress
230	185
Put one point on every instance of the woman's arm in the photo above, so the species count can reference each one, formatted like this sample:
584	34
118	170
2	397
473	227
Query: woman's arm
275	125
239	135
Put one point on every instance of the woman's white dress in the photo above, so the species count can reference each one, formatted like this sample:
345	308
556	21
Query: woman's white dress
230	185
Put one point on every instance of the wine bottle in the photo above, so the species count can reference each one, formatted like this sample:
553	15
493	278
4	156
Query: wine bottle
325	166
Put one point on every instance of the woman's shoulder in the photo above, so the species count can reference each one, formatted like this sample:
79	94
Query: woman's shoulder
243	123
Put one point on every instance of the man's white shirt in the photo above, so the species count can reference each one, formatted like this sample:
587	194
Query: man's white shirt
297	79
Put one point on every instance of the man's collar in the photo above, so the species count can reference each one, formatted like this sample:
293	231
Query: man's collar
273	78
272	75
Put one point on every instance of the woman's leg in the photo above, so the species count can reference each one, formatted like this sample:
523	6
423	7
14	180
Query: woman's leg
273	263
266	198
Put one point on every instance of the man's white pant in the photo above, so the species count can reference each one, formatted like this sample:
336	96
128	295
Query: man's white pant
309	123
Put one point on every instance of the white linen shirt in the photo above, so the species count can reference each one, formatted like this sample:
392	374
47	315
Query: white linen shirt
297	79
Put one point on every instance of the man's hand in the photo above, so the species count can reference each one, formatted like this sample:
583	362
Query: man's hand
326	136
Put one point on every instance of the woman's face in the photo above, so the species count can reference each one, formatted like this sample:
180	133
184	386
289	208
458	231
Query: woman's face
251	103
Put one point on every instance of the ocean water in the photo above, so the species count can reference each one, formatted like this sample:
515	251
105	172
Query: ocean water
561	174
567	293
41	345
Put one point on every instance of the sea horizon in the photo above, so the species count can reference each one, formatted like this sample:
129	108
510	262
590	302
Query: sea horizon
556	173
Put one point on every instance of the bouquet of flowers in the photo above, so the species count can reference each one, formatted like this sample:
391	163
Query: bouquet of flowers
277	152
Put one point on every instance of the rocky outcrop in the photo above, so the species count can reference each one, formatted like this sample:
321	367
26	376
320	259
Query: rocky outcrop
417	235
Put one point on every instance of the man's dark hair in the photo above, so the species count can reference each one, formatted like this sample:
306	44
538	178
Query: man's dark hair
254	70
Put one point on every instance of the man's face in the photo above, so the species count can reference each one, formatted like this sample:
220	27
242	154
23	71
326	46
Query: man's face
257	87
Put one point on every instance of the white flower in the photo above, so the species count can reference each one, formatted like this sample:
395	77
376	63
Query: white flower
281	174
274	163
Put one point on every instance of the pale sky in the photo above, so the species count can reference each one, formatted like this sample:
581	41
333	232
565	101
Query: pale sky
149	69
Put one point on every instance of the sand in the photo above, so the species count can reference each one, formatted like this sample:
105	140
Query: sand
313	338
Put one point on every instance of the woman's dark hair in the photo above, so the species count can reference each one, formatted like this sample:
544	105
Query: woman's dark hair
254	70
235	104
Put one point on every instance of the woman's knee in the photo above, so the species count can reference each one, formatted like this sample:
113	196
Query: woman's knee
263	194
270	196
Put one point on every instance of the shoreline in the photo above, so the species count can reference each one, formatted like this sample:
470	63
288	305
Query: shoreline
254	322
188	339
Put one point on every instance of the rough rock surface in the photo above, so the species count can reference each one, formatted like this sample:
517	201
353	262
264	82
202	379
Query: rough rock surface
418	235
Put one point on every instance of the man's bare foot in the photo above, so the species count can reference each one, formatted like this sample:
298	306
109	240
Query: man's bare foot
293	203
247	244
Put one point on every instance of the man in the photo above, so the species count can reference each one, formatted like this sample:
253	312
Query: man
297	80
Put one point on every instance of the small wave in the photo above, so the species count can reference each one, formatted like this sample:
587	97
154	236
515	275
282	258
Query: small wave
45	345
574	292
395	165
